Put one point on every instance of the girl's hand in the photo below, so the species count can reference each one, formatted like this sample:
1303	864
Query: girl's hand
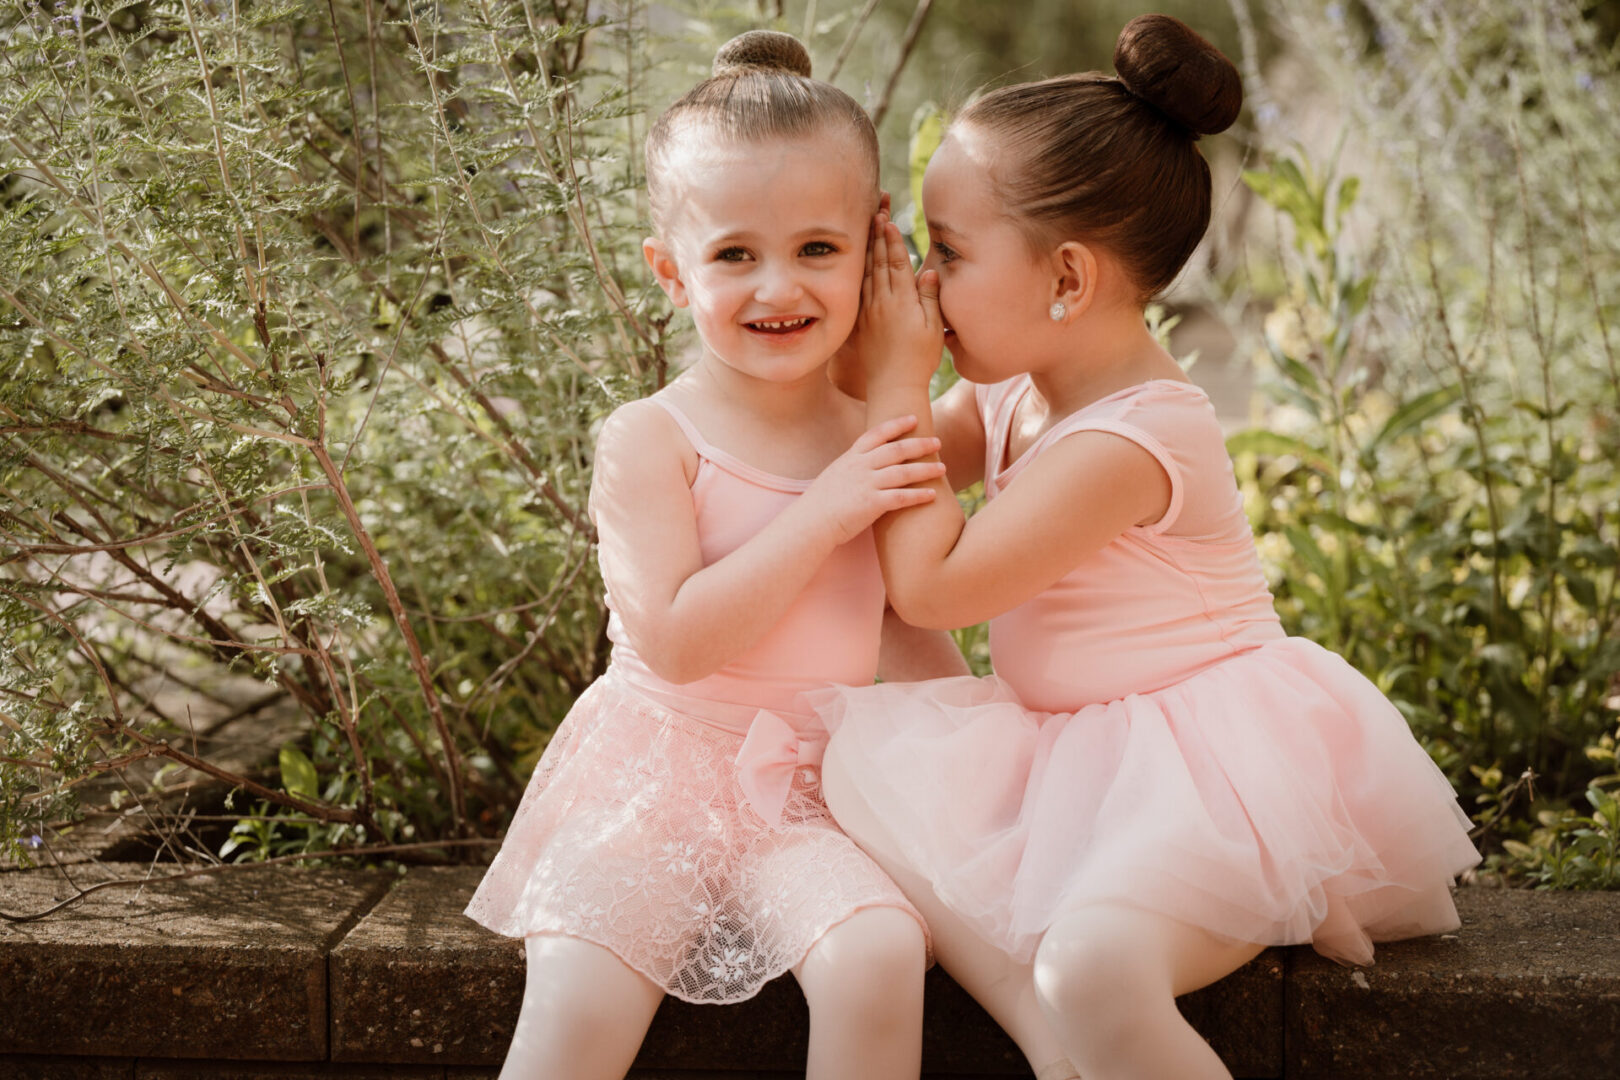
847	370
872	478
900	328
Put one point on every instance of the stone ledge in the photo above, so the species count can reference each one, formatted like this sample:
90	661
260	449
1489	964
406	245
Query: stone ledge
346	973
217	966
1529	988
81	1068
415	949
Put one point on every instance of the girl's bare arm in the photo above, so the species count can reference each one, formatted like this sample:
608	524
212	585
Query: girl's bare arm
687	620
941	570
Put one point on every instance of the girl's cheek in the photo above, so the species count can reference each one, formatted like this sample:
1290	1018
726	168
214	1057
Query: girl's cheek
702	294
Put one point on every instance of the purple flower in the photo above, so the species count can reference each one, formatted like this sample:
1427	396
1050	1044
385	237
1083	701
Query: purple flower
1584	82
35	841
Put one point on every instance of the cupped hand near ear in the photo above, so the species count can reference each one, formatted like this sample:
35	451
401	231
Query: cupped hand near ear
847	370
900	328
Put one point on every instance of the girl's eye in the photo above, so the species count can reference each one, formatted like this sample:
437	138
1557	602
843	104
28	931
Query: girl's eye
945	252
818	247
731	254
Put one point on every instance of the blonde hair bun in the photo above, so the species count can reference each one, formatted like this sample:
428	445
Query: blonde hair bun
767	49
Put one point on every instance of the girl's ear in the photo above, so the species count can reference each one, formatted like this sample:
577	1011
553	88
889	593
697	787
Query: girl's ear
662	262
1076	284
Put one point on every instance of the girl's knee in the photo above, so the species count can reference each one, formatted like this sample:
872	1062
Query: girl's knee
579	991
872	963
885	942
899	949
1087	966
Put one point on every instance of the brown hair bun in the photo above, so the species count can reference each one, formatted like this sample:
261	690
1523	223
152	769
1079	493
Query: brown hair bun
1165	63
762	49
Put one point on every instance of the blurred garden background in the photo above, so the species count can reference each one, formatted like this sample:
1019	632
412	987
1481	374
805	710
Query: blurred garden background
309	311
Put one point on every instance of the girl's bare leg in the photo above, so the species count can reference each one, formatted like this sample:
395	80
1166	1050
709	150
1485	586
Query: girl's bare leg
1005	989
584	1013
863	982
1108	978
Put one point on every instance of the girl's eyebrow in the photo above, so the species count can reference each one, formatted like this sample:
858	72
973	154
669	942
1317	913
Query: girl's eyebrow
939	227
748	235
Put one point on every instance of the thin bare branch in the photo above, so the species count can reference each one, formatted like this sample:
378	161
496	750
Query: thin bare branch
907	43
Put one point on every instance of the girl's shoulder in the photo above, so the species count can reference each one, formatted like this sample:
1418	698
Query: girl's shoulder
1172	418
645	421
647	431
1154	402
1167	409
1176	423
1163	406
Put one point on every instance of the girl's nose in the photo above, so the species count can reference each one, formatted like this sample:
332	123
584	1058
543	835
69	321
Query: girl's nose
777	285
931	259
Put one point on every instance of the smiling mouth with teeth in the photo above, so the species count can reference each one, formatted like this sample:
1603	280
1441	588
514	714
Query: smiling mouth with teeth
780	326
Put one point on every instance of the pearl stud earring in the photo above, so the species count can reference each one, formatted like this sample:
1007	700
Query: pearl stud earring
1057	311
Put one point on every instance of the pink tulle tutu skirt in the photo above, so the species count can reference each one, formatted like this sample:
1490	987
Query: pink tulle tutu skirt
1276	797
634	834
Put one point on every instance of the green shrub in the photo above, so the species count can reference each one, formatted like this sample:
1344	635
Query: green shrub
1436	491
330	325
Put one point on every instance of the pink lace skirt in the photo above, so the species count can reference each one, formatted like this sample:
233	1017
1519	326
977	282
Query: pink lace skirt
635	834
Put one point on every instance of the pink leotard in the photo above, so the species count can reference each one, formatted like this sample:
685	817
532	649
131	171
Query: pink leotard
1152	738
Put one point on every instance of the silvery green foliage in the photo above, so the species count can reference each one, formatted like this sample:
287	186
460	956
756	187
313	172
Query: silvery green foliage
1439	490
302	347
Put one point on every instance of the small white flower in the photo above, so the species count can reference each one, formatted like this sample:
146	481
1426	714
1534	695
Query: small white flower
730	965
677	858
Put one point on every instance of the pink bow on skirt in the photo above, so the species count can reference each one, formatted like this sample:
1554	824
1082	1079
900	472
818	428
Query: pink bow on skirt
766	762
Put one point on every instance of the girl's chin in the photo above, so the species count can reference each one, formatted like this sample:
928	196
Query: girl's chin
965	368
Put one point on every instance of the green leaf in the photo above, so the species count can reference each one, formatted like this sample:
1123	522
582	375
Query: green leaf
1582	588
298	775
1415	412
927	130
1357	295
1265	185
1275	444
1349	188
1293	179
1302	376
1306	547
1520	850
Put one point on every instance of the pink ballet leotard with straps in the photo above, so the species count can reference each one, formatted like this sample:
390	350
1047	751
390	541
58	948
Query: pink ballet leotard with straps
683	826
1153	738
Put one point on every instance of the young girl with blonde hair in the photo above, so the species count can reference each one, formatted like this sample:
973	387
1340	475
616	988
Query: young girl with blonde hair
1158	782
674	839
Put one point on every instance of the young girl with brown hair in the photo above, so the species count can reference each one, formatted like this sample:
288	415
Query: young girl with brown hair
1158	782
